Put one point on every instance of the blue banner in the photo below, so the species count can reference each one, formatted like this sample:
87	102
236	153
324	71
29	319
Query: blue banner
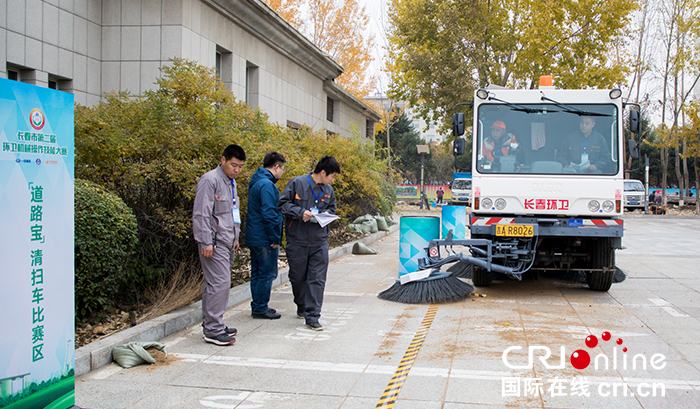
37	314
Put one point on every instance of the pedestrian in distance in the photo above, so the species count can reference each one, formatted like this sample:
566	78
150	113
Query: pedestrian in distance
216	222
307	242
440	194
263	233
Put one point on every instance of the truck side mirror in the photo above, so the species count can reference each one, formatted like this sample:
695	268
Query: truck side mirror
634	121
458	147
634	149
458	124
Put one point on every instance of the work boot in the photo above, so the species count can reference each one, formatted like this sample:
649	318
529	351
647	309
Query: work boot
316	326
267	315
220	340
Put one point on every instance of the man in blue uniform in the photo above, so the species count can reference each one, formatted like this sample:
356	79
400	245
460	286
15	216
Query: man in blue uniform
586	149
307	242
263	233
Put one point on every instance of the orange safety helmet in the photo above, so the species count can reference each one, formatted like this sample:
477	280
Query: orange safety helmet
499	124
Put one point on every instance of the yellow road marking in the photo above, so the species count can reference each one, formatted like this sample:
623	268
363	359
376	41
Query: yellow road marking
392	389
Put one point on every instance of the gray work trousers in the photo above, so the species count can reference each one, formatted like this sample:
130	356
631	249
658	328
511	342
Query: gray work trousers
216	288
307	273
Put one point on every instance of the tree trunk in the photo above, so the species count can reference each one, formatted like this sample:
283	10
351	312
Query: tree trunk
697	186
664	173
679	175
686	173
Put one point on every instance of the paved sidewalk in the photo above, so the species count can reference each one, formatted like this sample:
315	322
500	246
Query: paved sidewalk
283	364
99	353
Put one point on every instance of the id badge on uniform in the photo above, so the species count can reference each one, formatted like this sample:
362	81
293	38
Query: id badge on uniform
584	158
236	213
314	211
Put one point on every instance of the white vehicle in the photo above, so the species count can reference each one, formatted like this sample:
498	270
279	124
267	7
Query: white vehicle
547	194
461	189
634	194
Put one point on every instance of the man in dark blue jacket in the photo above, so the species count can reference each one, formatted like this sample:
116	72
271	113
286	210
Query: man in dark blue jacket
263	233
307	242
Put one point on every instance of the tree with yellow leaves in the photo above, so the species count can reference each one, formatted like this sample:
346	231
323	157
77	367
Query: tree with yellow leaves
442	50
338	27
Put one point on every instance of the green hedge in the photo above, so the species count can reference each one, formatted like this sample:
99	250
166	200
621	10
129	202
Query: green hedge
105	239
151	151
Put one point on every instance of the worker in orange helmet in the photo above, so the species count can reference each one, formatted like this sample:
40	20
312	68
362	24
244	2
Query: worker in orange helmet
499	143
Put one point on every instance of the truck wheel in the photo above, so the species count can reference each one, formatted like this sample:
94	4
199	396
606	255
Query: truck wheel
481	277
603	258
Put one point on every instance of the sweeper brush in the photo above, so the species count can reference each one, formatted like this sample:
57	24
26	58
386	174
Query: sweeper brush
463	269
437	287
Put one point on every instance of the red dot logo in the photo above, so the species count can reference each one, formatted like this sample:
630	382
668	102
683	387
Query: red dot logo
606	336
619	341
580	359
591	341
36	119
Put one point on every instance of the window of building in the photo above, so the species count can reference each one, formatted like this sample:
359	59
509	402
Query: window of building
369	129
224	66
252	85
329	109
60	83
18	73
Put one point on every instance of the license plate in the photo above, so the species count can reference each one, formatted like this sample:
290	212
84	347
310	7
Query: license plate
634	202
515	230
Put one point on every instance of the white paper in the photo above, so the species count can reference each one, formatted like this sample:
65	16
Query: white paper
580	167
324	219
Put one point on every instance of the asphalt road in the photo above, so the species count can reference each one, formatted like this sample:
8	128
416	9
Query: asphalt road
449	355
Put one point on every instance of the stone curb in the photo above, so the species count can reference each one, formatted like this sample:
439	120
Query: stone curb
99	353
659	216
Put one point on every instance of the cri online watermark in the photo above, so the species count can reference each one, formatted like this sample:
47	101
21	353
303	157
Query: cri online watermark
581	385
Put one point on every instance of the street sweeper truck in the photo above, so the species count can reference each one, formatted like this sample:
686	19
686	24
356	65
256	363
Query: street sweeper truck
547	184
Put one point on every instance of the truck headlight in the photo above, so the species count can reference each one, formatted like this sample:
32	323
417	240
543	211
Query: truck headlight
486	203
593	206
500	204
608	206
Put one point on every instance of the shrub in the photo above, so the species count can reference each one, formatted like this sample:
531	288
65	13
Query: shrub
151	151
105	239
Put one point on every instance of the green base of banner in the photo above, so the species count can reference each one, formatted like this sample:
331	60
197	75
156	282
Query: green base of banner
60	395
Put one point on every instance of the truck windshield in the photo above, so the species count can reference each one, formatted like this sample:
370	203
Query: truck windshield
633	186
462	184
545	139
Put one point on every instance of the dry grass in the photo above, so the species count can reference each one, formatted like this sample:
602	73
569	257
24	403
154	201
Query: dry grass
182	288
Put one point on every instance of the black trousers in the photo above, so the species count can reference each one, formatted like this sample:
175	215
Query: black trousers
308	266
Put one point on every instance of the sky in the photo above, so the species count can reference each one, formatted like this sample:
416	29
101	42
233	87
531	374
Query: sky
379	20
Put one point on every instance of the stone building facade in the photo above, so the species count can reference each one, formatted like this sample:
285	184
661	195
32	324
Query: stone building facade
89	47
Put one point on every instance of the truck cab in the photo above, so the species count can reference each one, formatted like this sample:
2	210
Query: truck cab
461	189
547	182
634	194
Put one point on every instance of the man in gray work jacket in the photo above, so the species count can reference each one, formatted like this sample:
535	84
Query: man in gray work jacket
307	241
216	222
